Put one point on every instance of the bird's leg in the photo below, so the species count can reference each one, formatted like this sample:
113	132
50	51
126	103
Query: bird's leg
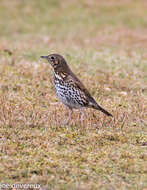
69	116
82	112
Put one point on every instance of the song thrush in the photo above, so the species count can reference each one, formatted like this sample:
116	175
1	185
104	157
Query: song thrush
69	89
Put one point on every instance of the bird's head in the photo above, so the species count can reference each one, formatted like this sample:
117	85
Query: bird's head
56	61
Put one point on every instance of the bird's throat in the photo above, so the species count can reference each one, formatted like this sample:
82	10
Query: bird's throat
60	75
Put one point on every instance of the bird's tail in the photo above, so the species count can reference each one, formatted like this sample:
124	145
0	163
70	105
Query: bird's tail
97	107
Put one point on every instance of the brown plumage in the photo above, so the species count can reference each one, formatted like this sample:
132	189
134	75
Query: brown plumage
69	89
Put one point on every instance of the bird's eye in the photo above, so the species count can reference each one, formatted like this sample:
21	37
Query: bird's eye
52	58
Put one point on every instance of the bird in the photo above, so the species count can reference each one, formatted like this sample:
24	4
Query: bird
69	89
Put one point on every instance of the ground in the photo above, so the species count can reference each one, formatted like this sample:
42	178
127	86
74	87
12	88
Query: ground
105	44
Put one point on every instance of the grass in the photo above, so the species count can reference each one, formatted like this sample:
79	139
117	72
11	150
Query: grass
105	44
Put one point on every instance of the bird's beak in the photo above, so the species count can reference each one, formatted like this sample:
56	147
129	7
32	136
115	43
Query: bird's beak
43	57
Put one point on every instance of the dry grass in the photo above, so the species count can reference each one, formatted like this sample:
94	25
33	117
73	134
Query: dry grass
108	53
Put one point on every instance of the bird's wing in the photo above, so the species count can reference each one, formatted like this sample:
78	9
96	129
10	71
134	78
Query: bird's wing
89	100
